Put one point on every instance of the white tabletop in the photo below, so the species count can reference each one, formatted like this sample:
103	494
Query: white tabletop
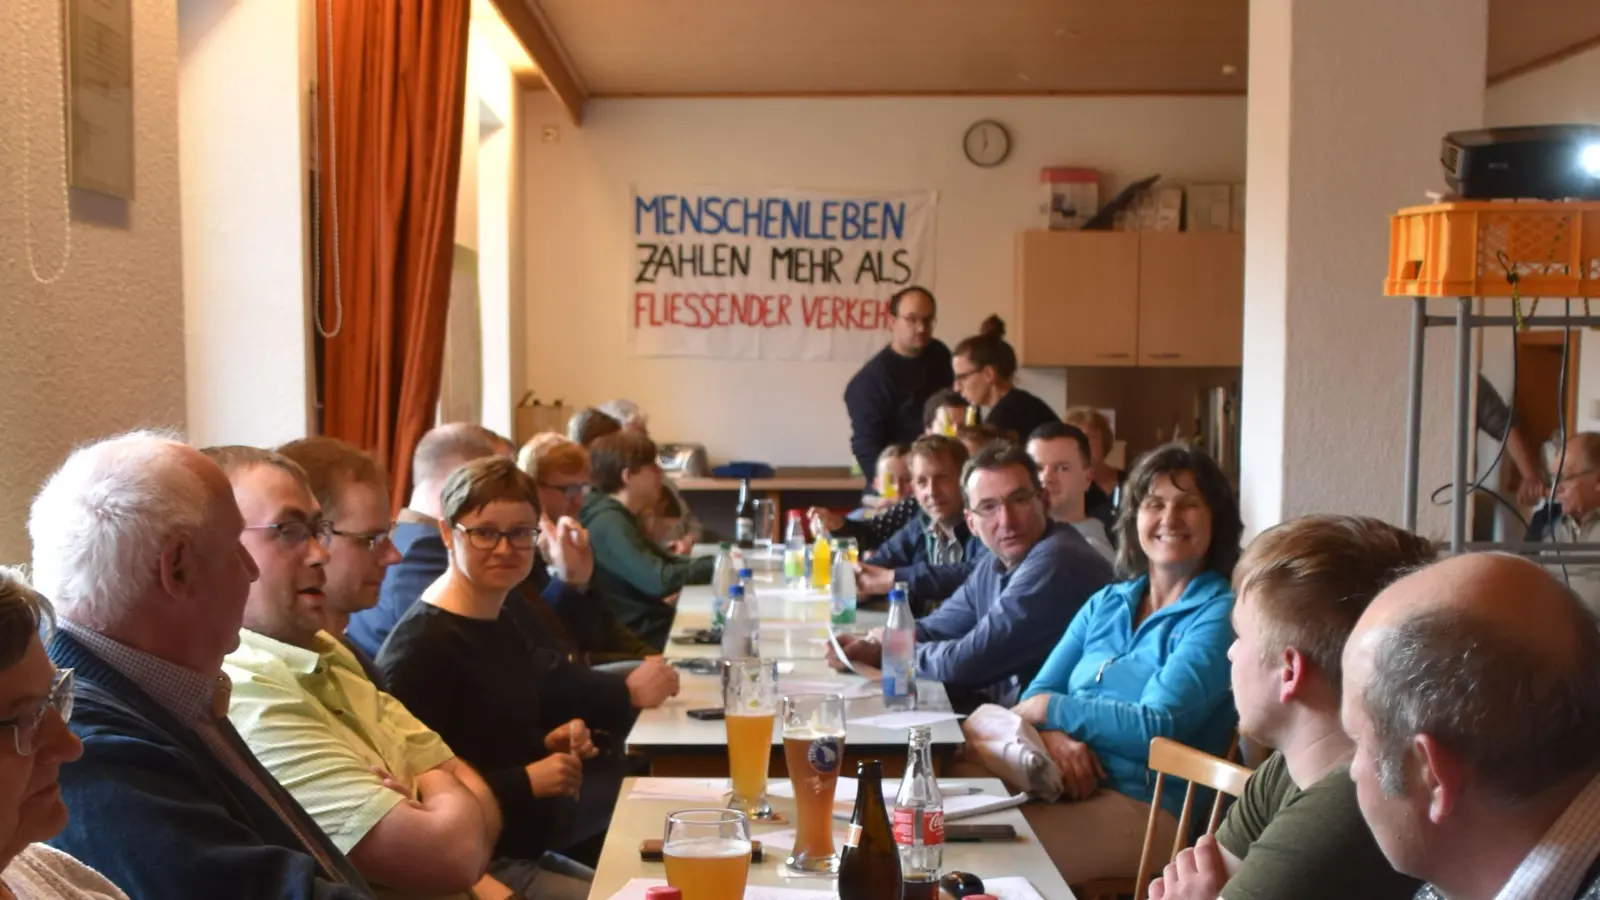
636	820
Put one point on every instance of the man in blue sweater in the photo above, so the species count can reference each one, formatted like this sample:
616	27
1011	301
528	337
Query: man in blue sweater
936	552
885	398
989	639
137	541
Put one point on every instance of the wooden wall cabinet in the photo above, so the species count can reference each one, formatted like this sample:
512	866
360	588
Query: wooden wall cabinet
1122	298
1078	298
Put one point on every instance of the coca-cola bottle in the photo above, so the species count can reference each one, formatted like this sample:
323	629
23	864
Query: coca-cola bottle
869	867
919	820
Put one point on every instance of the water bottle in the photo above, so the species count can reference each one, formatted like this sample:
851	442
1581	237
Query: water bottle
748	581
794	552
722	577
741	634
900	652
842	587
919	818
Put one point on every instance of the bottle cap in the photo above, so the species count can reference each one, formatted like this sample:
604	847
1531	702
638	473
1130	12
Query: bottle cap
727	545
794	513
744	573
663	893
735	592
896	595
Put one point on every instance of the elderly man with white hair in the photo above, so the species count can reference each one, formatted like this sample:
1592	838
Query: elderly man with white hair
137	540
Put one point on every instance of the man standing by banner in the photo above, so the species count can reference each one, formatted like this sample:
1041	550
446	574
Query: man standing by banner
885	398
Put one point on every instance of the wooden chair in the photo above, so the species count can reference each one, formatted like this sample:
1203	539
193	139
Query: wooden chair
1169	757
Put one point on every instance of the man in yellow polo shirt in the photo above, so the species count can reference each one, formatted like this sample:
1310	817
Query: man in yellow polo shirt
416	821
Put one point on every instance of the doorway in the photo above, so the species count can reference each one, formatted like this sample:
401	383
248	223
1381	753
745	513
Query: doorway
1539	405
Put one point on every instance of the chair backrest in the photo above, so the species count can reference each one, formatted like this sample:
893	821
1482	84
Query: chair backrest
1198	768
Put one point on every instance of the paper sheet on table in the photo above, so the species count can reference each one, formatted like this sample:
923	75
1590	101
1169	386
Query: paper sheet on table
1011	888
634	890
907	718
838	651
693	790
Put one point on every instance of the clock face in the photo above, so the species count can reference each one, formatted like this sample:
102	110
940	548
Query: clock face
987	143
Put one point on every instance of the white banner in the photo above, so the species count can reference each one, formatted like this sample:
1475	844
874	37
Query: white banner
774	274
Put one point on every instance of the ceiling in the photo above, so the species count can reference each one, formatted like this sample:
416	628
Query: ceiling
817	47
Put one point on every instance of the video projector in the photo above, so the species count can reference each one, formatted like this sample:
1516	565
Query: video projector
1544	162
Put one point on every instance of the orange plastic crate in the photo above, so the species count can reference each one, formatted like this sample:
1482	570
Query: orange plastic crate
1455	249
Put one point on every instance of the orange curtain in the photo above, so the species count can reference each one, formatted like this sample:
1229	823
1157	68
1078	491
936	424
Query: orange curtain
391	91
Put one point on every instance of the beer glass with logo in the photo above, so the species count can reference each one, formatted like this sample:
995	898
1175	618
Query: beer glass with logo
813	749
707	853
749	704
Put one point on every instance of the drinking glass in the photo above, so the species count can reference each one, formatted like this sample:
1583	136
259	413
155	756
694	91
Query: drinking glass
766	519
707	853
749	704
813	748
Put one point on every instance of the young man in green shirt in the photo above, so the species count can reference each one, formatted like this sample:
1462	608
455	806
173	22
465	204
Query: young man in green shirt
1297	831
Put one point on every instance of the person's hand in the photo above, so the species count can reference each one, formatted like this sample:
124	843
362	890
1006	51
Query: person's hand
1198	873
858	650
557	775
1034	709
682	546
565	545
574	738
390	782
822	519
1080	769
1532	490
652	683
873	581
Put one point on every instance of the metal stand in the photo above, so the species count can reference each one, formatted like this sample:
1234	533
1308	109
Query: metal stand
1464	427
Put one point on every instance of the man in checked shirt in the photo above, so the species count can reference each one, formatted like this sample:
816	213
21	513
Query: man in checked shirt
1472	691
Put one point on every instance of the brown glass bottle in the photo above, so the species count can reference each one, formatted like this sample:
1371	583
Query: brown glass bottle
869	868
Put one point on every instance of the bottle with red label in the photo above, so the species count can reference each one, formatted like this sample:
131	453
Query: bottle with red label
919	820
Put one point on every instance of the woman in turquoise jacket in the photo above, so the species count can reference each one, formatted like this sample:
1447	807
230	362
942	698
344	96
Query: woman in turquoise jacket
1146	657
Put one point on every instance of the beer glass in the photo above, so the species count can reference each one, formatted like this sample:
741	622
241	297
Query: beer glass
766	517
813	748
707	853
749	702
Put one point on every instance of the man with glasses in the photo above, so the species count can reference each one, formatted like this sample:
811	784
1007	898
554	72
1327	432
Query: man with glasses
354	495
137	539
990	638
885	398
412	817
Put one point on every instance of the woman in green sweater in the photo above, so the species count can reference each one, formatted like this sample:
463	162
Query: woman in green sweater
638	578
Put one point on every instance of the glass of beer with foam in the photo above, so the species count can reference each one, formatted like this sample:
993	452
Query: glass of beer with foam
749	703
813	749
707	853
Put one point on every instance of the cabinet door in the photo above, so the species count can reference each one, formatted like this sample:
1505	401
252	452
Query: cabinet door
1191	298
1078	298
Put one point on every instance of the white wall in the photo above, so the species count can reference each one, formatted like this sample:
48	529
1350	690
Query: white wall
1567	92
496	139
578	189
241	146
101	349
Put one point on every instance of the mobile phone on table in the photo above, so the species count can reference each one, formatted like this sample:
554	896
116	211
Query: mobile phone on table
968	833
709	714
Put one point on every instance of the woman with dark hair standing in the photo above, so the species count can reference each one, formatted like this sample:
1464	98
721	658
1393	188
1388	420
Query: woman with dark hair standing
1146	657
983	367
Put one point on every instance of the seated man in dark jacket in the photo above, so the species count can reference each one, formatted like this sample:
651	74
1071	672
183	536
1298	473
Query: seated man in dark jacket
934	554
136	539
634	574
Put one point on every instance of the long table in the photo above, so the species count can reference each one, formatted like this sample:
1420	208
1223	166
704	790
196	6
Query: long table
794	632
638	820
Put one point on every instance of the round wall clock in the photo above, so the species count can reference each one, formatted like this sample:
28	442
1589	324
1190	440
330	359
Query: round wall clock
987	143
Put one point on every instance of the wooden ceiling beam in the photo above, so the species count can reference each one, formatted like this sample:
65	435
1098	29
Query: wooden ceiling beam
543	46
1545	61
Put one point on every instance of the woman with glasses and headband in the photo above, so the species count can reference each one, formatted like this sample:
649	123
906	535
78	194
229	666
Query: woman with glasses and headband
466	661
983	369
637	577
34	744
1145	658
